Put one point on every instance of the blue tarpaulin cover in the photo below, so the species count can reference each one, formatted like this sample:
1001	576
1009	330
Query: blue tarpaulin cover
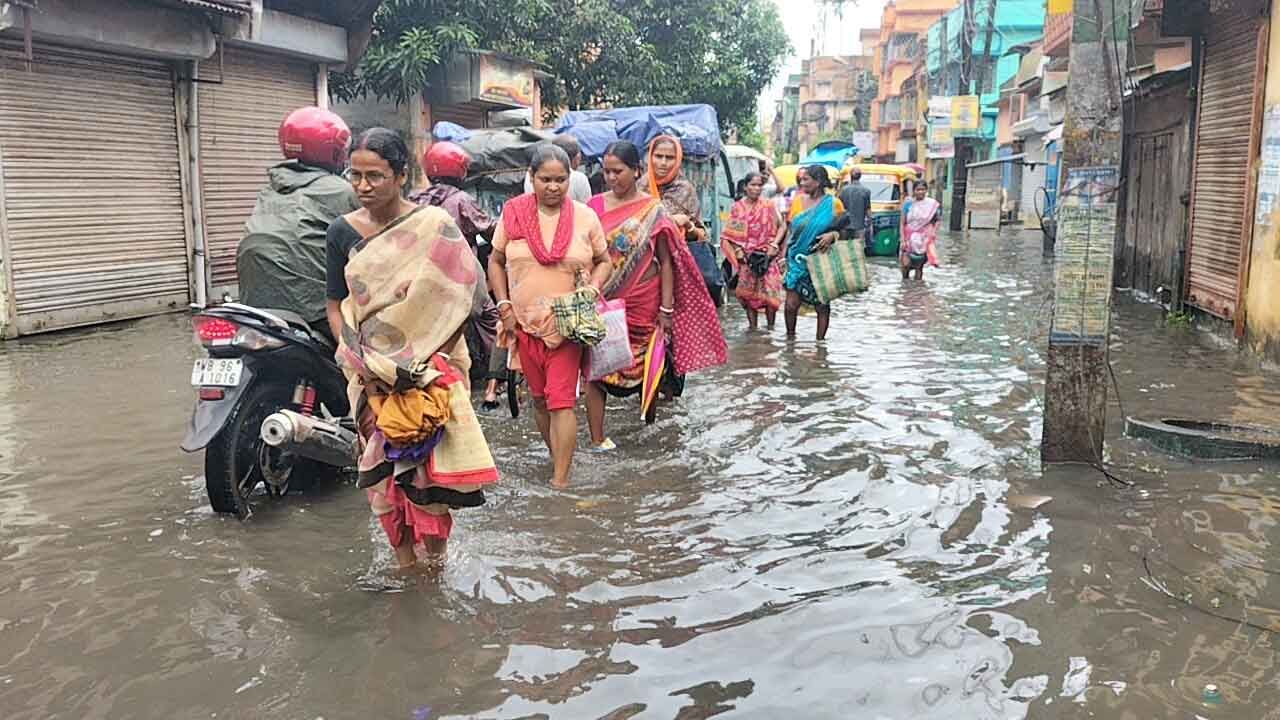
697	126
832	153
450	132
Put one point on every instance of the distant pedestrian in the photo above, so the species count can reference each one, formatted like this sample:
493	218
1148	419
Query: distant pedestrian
813	222
920	218
753	238
856	199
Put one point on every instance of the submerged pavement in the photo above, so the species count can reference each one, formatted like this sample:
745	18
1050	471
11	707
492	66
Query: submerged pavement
854	528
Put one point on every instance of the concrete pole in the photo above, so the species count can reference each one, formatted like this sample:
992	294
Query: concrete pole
1093	144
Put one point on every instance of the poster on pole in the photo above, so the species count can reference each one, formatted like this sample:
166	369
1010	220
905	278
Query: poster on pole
940	106
966	116
941	145
1084	255
1269	174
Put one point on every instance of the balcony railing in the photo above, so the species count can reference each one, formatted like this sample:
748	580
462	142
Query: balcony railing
907	112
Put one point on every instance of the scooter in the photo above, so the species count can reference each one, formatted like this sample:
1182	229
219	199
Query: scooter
271	406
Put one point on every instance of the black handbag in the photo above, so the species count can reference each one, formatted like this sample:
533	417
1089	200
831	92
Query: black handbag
759	263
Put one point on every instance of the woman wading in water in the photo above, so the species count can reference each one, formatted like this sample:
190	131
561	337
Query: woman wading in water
654	272
546	246
401	284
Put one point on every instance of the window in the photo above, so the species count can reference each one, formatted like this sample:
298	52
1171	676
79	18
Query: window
884	188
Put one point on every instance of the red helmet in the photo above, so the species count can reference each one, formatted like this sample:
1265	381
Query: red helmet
446	160
316	137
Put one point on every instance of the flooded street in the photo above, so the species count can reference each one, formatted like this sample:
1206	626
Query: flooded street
859	528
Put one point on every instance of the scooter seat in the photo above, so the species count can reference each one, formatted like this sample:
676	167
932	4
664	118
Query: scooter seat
292	318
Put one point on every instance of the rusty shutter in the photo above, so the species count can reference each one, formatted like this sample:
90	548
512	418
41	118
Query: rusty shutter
240	114
92	188
1226	141
472	116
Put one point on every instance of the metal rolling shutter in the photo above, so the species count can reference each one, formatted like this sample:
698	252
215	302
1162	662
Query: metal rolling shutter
471	116
1226	140
239	119
92	187
1033	179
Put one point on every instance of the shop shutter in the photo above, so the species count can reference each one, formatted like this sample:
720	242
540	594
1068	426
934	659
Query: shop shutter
92	187
1033	179
1226	140
471	116
240	114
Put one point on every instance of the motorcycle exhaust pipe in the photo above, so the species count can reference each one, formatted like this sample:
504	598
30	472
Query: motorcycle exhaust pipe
311	438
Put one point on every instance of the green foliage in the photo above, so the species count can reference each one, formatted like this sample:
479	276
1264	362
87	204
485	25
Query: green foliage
599	52
867	89
752	137
1179	320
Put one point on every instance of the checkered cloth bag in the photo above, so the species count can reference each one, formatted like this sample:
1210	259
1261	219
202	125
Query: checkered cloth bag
577	317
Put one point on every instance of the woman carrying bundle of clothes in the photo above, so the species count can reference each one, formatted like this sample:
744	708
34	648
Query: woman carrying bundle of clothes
402	283
656	276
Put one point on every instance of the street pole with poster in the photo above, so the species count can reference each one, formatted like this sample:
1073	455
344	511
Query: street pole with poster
1077	372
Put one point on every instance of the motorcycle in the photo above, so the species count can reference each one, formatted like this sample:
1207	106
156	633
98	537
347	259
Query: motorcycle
271	406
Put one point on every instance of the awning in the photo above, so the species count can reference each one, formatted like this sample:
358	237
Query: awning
226	7
1009	159
1036	124
1053	82
1055	133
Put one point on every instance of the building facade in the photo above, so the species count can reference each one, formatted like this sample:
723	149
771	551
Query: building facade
157	123
903	27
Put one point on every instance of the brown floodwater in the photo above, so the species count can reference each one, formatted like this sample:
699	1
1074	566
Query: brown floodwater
859	528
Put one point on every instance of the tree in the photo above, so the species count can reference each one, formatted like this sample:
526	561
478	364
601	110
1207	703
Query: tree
752	137
599	52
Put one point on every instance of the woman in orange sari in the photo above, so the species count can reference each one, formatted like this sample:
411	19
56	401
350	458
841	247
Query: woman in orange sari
657	277
752	242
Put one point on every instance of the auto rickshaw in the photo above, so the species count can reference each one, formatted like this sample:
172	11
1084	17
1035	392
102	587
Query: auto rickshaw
890	186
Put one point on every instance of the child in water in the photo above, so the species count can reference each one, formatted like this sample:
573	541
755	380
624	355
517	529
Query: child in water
920	217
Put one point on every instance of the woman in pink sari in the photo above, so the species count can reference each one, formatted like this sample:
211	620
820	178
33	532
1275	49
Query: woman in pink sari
655	274
752	241
920	217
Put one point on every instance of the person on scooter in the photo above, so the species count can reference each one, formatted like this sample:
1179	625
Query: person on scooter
281	259
446	165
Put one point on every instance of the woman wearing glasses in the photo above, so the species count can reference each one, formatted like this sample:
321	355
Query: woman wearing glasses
401	282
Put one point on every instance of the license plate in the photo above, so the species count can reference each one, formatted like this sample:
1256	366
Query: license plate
216	372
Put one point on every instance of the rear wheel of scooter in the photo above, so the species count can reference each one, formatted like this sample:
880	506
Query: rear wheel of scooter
237	460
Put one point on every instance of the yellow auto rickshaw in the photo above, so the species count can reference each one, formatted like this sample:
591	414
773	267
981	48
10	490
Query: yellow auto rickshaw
890	186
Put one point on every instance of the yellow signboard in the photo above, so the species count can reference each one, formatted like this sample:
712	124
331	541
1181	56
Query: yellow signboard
966	118
505	82
1059	7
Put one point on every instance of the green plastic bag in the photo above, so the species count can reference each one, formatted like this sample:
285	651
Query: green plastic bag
839	271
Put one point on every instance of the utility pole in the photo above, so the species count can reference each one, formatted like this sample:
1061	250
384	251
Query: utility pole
1093	140
971	84
960	182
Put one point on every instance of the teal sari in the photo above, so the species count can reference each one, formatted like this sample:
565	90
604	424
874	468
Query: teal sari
805	229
